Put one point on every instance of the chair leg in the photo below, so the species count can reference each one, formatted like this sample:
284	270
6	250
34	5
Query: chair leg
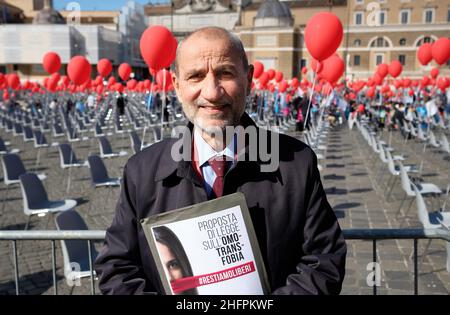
426	249
106	199
392	188
401	205
4	197
387	184
409	207
28	222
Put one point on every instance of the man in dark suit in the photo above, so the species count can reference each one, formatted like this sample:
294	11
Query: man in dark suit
300	239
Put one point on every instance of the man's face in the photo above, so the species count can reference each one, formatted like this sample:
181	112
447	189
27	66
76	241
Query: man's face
211	84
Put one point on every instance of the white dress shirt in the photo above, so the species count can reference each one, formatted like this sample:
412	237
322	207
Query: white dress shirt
205	152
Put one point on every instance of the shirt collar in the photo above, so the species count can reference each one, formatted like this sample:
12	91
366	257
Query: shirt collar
206	152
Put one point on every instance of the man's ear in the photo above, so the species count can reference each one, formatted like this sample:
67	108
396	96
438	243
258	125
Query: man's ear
176	84
249	78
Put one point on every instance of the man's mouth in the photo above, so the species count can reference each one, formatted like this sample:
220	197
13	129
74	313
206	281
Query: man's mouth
214	108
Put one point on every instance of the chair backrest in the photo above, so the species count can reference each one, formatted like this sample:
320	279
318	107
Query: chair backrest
98	169
39	138
390	162
105	146
33	193
71	133
406	182
27	133
3	148
75	252
444	143
383	154
135	141
17	129
98	130
422	209
12	167
157	134
57	130
67	155
433	139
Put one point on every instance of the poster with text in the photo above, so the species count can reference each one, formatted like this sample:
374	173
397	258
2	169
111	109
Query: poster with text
207	248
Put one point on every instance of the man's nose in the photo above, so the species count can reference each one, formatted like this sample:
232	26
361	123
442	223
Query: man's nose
212	89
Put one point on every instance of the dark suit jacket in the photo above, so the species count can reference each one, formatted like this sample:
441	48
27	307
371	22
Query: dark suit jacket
301	242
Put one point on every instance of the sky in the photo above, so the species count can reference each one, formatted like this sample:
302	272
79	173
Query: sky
88	5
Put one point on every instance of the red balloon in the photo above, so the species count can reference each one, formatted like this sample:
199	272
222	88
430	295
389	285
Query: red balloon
79	70
411	92
395	68
271	74
282	86
131	85
13	81
441	50
304	70
333	68
316	66
370	92
111	80
104	67
51	62
443	83
124	71
323	35
382	69
425	80
377	79
264	78
2	78
158	47
258	69
294	83
162	75
278	76
424	54
118	87
434	73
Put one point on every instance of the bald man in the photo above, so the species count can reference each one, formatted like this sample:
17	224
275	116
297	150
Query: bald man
298	233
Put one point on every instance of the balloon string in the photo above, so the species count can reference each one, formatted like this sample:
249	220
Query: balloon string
312	93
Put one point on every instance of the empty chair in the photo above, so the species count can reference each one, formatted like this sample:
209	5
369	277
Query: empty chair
433	140
13	168
423	188
106	150
40	141
75	252
68	158
432	220
4	149
444	144
35	199
18	129
57	130
99	173
27	134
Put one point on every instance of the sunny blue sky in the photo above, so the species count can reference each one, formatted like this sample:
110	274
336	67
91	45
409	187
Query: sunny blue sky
98	4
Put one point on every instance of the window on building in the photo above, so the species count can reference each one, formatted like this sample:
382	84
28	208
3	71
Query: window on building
358	18
378	59
382	17
448	15
426	39
357	42
302	63
402	41
402	59
356	60
379	42
359	1
404	16
429	15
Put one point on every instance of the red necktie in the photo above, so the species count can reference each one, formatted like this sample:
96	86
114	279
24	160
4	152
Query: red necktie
219	165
